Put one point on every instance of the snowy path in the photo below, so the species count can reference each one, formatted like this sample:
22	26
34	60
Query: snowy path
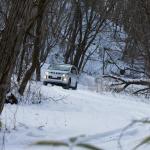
99	118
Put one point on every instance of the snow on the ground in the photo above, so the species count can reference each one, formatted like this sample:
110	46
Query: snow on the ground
101	118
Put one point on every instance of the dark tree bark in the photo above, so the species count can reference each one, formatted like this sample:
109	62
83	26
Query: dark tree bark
37	47
11	41
20	71
38	71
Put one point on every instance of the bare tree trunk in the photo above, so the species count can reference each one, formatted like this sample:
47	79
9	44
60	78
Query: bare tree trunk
21	61
37	47
73	36
38	71
11	41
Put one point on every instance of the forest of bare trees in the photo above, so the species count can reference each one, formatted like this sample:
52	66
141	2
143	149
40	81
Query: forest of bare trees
30	29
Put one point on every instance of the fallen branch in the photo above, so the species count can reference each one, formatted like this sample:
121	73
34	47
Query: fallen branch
126	82
141	90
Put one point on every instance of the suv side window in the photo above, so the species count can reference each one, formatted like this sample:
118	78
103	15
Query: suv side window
73	70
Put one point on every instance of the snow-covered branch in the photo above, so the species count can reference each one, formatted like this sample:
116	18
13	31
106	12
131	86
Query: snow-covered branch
126	82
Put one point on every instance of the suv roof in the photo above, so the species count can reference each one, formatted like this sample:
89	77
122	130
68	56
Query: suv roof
68	65
65	65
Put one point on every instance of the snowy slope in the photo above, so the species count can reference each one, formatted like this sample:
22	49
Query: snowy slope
67	113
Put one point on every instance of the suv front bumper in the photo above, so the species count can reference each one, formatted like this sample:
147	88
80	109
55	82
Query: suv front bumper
58	81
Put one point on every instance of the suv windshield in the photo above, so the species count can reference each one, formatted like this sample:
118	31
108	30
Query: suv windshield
59	67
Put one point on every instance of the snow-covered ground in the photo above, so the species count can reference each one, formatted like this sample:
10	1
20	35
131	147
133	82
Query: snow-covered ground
99	117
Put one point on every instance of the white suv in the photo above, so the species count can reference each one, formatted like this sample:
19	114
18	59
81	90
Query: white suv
63	74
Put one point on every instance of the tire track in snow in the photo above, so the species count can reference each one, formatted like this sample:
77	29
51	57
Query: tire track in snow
109	136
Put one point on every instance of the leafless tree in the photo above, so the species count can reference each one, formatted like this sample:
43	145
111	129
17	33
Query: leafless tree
41	6
88	21
11	40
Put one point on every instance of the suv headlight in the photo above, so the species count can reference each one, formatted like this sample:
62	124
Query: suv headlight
65	77
46	73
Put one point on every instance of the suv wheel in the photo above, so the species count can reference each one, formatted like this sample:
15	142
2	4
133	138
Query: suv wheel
67	86
75	87
45	83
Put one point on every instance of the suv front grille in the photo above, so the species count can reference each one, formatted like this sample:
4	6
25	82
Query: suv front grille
55	73
58	78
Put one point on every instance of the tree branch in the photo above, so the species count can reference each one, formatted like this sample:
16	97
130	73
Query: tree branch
127	82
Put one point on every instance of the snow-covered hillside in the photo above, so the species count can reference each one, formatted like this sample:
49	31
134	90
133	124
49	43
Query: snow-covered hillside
99	118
